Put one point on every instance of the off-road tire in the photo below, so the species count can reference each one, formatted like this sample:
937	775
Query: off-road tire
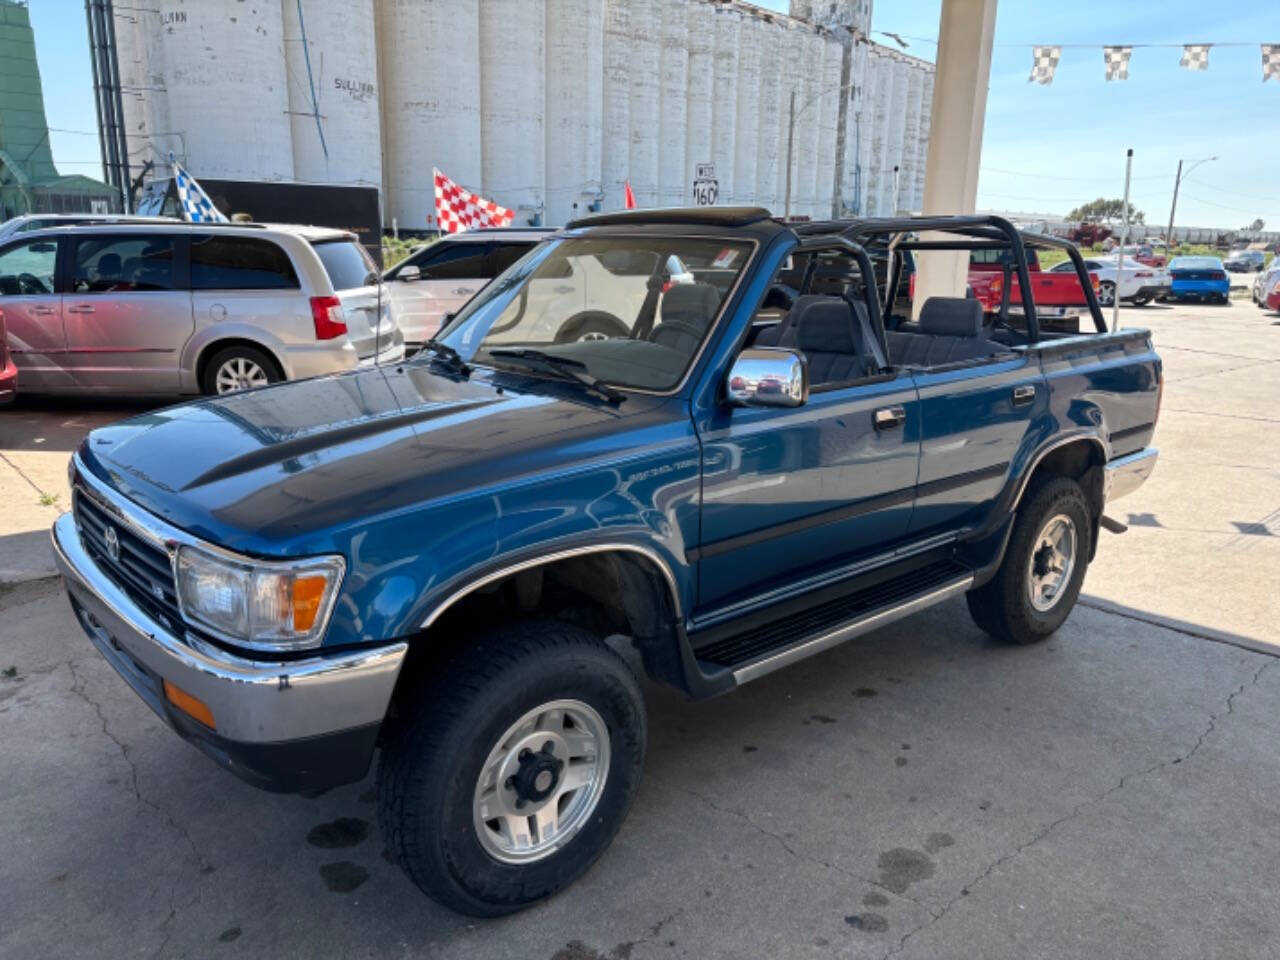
1002	607
430	765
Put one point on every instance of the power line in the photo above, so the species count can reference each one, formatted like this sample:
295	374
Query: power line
1051	176
1247	196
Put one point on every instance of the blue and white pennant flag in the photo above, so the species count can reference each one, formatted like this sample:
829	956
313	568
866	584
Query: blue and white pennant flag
196	205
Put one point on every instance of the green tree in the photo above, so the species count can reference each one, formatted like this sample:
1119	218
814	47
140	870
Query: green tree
1103	210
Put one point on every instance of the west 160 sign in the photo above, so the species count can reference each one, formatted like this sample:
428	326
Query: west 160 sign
706	188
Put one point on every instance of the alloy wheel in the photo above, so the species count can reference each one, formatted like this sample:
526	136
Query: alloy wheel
239	373
1053	559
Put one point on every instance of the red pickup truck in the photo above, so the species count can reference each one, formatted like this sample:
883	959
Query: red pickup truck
1053	293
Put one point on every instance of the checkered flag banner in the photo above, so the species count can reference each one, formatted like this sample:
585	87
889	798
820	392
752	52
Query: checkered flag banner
196	205
1117	61
1270	61
1195	56
458	209
1044	61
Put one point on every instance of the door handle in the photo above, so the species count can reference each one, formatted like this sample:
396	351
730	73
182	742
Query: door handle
43	311
1023	395
889	418
81	308
463	291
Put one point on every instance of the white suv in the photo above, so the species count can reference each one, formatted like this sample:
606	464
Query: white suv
177	308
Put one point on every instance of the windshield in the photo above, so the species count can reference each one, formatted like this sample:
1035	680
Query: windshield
347	264
631	311
1196	263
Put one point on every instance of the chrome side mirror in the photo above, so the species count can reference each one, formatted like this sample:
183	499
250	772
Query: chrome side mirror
410	273
768	377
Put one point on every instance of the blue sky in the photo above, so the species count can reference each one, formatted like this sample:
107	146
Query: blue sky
1045	149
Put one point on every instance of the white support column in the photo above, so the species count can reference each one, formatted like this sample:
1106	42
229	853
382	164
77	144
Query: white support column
965	32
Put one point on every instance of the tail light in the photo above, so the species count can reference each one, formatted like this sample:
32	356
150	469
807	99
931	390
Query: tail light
328	317
1093	282
1217	275
1159	393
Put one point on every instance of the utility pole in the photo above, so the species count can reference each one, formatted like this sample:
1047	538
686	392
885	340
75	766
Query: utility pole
1124	239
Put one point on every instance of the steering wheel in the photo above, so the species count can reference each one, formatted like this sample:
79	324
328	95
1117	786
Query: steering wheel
30	285
674	327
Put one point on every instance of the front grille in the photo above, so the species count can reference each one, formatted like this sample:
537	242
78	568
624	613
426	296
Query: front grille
142	569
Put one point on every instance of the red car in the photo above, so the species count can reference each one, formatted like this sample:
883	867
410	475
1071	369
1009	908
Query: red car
8	372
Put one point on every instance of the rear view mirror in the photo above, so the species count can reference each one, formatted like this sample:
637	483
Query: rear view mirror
768	377
410	273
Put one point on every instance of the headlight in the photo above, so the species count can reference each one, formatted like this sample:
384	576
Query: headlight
262	605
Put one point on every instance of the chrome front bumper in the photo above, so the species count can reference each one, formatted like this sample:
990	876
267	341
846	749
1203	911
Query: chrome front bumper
1126	474
252	701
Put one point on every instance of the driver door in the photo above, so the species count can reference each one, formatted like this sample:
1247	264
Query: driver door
32	310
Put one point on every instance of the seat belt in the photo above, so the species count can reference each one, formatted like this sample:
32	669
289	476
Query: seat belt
868	336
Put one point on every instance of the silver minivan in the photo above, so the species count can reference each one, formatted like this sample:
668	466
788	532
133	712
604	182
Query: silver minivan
190	308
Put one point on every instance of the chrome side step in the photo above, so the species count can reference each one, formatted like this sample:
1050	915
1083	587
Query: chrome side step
859	625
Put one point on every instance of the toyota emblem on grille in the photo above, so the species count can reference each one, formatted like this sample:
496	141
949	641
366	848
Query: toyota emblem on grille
113	543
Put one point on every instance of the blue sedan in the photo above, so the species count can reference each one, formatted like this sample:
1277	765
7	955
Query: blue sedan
1203	278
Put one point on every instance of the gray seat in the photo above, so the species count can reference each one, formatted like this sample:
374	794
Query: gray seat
687	311
825	331
949	331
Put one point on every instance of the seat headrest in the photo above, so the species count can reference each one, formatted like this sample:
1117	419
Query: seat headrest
824	325
951	317
694	303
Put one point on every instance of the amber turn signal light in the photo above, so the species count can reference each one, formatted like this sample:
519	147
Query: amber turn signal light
308	592
196	709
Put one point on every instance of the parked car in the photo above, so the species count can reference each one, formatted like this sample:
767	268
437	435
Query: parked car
181	308
1246	261
8	372
1139	284
429	557
1144	253
438	279
1200	278
1057	294
28	222
1266	287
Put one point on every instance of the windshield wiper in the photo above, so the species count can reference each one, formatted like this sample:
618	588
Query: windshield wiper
448	355
566	366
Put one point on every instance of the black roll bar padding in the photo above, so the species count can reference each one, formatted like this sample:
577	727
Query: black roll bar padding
814	244
984	227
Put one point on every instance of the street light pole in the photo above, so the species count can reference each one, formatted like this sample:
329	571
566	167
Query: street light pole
1168	238
791	134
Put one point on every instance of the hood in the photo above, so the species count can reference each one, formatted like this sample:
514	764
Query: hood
276	471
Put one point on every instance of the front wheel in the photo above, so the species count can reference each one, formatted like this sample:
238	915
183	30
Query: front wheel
516	768
1043	568
1106	293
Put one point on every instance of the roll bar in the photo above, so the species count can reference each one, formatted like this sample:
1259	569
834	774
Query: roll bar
983	231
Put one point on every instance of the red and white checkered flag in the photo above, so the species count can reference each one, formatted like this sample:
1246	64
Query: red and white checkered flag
458	209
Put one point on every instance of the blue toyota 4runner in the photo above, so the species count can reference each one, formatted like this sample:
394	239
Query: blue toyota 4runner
706	431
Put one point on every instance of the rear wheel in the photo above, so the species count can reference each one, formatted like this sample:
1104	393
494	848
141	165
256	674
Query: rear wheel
1043	569
517	769
237	368
1106	293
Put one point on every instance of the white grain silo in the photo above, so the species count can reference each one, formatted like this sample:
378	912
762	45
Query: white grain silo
724	103
673	97
331	55
645	111
809	107
907	199
615	148
131	60
746	151
829	120
430	64
575	47
221	69
767	159
701	87
512	101
922	148
879	65
895	134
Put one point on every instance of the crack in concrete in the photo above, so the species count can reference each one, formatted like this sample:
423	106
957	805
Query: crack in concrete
18	470
782	842
1080	808
78	690
1227	416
